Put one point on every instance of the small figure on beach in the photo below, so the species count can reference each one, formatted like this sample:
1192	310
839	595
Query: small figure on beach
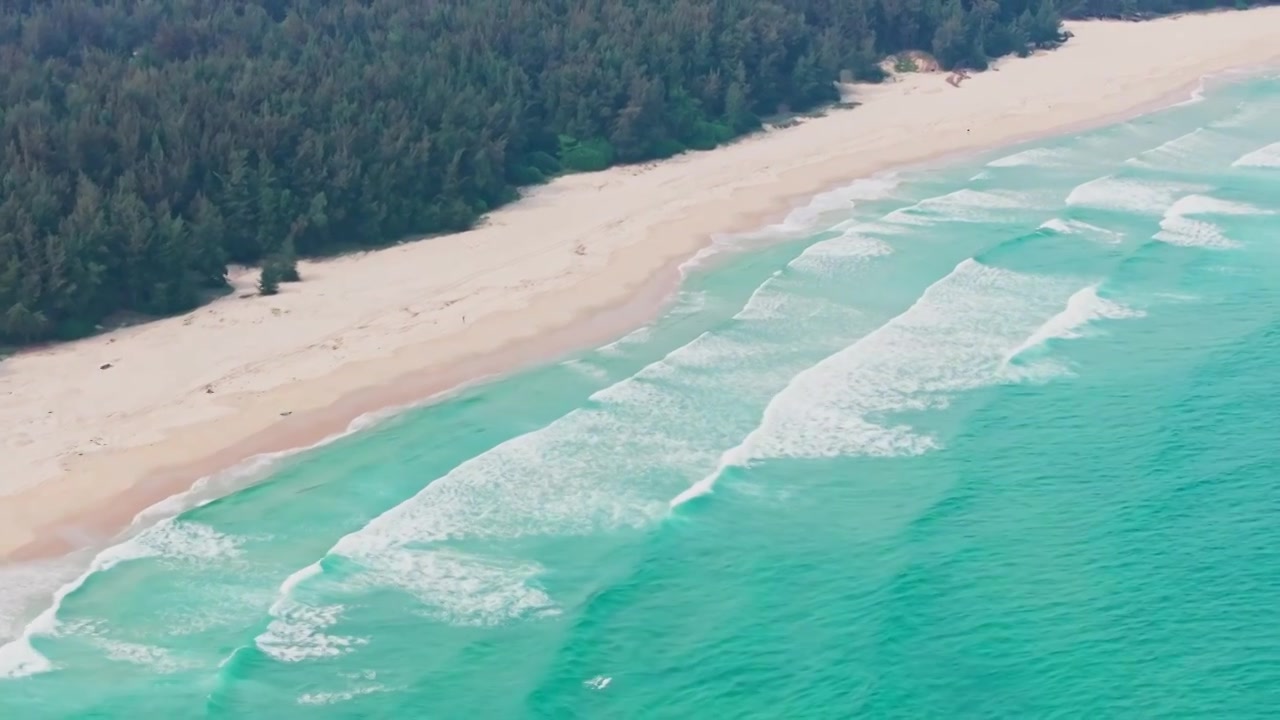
957	76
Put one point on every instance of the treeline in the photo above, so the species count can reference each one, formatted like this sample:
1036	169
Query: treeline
1137	9
145	144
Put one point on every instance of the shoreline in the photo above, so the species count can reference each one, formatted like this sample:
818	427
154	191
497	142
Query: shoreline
296	393
358	411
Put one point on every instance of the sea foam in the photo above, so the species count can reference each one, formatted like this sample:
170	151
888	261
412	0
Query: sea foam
1039	157
296	633
596	468
1263	157
964	205
157	659
1128	195
1180	151
1084	307
331	698
605	466
1077	227
1179	227
835	255
841	200
362	683
952	339
171	538
800	221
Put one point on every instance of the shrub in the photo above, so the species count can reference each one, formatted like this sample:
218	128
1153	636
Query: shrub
272	275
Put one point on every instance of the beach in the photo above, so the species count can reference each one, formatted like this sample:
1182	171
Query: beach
98	430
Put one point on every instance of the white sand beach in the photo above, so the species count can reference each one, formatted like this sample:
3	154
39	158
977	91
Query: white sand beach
576	262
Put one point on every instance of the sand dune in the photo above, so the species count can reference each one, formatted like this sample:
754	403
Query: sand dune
576	262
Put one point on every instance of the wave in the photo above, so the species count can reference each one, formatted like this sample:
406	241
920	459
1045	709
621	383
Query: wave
26	583
364	683
1178	151
836	254
952	339
157	659
489	592
853	244
964	205
1039	157
1207	148
802	220
608	465
719	244
1084	307
586	368
1252	113
454	586
170	538
1177	227
552	481
1264	157
154	525
158	531
686	303
1196	95
296	633
331	698
1077	227
765	302
829	258
639	335
543	482
1128	195
840	200
296	629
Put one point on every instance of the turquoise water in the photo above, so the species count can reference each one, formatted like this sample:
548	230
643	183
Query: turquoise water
996	439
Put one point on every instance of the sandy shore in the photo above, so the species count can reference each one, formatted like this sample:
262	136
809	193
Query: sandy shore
575	263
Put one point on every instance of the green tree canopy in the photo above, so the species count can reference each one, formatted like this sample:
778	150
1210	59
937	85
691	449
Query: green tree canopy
146	143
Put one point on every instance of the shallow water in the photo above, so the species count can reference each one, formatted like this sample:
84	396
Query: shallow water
994	439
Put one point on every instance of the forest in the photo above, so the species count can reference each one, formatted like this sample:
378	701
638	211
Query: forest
147	144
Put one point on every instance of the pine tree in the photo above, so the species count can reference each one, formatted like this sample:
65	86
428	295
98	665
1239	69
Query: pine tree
145	145
270	278
288	262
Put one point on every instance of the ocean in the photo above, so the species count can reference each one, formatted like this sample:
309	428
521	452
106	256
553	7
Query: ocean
995	438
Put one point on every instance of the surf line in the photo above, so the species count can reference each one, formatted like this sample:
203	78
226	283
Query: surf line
735	456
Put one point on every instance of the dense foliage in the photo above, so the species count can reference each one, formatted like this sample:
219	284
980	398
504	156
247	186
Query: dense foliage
144	144
1143	8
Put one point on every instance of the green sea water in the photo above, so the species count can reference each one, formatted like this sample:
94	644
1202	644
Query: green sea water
997	439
